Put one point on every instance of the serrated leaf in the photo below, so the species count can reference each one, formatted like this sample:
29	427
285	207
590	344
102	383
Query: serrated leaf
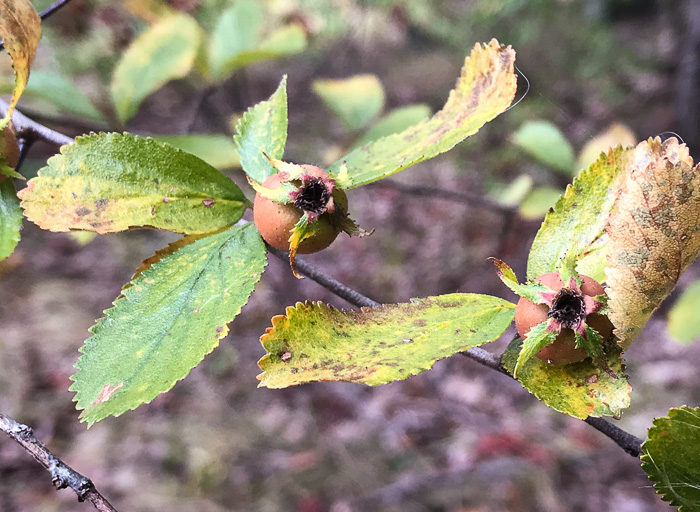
394	122
579	218
263	131
683	319
671	457
167	319
538	202
20	31
315	342
355	101
111	182
284	41
237	30
10	218
654	233
164	52
62	94
485	89
537	338
546	143
579	389
217	150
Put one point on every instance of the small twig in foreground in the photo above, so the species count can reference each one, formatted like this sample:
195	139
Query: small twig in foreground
62	475
27	128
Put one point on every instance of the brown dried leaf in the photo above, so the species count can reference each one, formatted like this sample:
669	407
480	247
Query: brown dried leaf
654	232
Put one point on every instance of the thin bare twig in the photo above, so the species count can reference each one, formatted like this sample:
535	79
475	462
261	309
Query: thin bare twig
30	129
62	475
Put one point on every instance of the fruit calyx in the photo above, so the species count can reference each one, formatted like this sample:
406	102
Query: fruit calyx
301	209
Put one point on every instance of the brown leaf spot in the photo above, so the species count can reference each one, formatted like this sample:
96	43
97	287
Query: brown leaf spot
153	210
219	329
166	199
107	391
82	212
592	379
208	203
286	356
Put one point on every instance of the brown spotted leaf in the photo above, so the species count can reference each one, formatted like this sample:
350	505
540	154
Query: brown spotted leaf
654	232
20	31
110	182
484	90
315	342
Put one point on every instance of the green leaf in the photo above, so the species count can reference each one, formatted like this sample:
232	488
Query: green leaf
513	193
284	41
546	143
111	182
531	291
62	94
485	88
579	389
217	150
165	52
671	457
10	218
683	319
537	338
355	101
538	202
172	314
315	342
263	130
394	122
579	218
237	30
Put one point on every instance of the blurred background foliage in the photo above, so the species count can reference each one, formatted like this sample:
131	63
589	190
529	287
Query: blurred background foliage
458	438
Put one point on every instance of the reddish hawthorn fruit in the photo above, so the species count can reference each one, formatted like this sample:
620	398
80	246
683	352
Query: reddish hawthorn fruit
9	148
572	307
316	196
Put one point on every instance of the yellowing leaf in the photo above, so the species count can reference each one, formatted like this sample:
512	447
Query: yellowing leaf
579	390
485	88
164	52
20	31
616	135
315	342
654	232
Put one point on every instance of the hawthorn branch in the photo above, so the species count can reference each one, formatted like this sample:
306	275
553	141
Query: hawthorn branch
31	130
62	475
628	442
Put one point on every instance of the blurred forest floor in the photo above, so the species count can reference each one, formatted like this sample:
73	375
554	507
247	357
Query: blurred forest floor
459	438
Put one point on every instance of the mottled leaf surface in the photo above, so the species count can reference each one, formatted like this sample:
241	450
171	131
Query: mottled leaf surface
110	182
546	143
654	233
10	218
579	218
315	342
671	457
263	130
355	101
164	52
172	314
215	149
579	389
20	31
683	319
485	88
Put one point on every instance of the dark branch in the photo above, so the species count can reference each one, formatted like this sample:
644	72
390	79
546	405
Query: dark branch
62	475
29	129
46	13
628	442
